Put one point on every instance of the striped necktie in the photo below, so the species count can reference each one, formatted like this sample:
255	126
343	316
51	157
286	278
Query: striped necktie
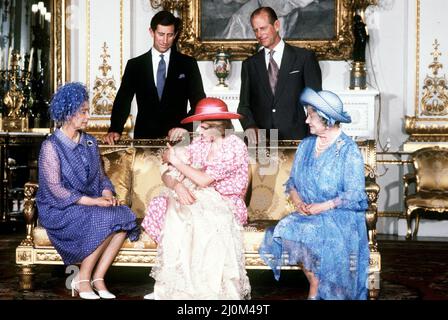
272	71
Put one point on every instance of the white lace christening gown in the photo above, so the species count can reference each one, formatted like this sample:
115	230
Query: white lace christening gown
200	254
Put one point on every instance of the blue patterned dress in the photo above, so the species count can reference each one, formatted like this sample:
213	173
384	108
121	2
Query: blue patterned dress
68	171
333	244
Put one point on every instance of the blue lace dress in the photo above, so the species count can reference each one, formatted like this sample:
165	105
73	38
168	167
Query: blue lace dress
333	244
68	171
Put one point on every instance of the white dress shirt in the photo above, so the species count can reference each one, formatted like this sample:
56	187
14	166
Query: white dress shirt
278	54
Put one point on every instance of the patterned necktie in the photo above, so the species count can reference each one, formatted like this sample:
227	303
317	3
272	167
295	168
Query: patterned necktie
272	71
161	72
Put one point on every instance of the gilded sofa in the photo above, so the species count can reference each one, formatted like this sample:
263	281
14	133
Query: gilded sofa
133	167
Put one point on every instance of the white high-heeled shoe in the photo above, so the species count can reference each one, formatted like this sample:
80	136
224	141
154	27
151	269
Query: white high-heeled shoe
90	295
149	296
102	293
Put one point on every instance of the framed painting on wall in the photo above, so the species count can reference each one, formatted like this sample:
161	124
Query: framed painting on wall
324	26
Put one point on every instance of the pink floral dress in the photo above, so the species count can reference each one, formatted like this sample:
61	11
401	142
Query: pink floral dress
229	170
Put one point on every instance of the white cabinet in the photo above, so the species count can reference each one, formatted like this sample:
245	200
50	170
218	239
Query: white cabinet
231	98
360	105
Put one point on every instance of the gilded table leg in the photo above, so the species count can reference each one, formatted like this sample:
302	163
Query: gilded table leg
26	277
374	278
374	294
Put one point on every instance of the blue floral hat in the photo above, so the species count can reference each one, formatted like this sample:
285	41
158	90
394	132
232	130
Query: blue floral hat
67	100
327	105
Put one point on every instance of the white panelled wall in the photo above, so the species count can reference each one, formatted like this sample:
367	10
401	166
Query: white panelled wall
391	63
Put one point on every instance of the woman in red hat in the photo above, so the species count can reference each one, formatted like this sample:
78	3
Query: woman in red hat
197	220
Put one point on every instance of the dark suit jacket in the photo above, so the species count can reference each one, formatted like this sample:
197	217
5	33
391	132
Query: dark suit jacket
155	118
282	111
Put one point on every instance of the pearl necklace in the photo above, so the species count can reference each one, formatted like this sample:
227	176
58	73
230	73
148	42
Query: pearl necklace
321	146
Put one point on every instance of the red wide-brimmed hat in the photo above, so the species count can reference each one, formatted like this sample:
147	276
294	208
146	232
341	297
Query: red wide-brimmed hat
211	109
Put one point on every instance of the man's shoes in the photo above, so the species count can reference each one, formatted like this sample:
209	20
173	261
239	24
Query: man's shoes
149	296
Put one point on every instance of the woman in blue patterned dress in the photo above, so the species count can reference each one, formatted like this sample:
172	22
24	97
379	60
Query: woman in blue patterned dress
326	234
76	200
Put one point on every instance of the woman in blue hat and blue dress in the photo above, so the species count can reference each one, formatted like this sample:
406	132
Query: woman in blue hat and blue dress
326	233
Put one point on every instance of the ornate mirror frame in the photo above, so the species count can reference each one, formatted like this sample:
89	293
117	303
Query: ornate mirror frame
190	42
60	42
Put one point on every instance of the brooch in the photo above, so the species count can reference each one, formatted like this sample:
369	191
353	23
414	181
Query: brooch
339	144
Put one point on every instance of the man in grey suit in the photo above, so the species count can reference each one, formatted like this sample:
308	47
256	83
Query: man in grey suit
272	81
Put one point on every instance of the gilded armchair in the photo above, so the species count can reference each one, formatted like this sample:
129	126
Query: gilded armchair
431	185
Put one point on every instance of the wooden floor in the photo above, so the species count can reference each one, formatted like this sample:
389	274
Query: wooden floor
411	270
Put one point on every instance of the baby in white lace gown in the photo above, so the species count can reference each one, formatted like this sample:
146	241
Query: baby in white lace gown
156	208
181	153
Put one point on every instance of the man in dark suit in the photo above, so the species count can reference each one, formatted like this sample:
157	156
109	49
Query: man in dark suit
163	81
272	81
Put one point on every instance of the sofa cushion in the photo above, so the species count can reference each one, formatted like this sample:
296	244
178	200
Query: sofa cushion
431	200
267	191
40	237
146	180
118	165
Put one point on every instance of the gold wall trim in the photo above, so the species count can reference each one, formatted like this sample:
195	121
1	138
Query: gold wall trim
397	162
104	87
88	45
417	58
391	214
428	138
423	129
60	36
434	100
417	68
88	40
121	37
421	132
67	41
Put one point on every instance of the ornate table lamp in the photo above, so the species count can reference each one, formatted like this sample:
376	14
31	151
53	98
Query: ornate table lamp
221	66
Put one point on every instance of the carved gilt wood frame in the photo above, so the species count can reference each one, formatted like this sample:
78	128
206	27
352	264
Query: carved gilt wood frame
60	42
190	42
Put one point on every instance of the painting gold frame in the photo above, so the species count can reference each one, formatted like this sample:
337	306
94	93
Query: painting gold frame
60	43
191	43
